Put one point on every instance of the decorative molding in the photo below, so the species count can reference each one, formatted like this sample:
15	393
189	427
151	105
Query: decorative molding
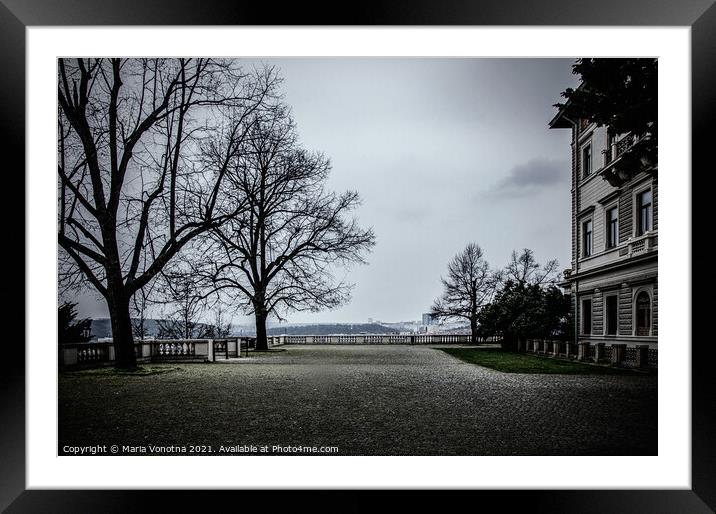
611	196
585	211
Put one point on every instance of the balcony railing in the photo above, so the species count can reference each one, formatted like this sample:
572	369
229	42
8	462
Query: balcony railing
623	145
617	148
638	245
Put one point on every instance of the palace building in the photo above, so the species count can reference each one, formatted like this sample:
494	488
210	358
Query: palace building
613	280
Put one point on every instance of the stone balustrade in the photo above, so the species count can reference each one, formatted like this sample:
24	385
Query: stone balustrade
617	354
95	354
372	339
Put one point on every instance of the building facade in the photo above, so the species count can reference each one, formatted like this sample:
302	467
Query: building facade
613	280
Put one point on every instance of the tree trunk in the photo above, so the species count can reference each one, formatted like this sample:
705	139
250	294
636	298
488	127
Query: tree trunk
509	342
473	331
122	336
261	341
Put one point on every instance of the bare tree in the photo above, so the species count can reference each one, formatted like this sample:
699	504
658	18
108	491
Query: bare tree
469	285
524	269
140	174
139	306
181	291
221	326
280	253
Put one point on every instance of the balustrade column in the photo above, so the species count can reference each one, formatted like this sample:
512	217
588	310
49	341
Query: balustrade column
583	351
618	354
598	352
642	356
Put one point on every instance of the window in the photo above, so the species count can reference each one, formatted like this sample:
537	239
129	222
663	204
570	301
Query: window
644	213
587	316
586	160
611	313
612	227
643	313
587	238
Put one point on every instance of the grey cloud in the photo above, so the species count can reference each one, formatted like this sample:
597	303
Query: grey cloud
530	177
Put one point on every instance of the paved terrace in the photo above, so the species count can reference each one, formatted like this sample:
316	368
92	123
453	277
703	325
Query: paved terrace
367	400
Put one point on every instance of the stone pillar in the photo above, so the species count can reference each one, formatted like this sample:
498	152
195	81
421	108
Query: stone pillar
583	351
598	352
210	349
618	354
642	356
555	348
69	356
568	348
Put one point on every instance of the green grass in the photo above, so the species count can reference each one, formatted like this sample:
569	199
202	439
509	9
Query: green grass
509	362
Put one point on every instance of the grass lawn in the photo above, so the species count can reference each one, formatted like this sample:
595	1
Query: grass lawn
510	362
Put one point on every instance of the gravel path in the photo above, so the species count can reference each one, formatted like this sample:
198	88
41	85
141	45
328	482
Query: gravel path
366	400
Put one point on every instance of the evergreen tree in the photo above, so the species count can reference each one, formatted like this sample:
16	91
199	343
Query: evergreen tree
71	330
621	94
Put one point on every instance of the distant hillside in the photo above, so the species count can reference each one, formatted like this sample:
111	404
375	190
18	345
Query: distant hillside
102	327
332	329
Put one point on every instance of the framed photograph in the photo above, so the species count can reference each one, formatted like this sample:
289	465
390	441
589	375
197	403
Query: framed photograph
416	249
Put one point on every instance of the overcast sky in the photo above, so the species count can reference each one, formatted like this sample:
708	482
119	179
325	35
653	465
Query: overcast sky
443	152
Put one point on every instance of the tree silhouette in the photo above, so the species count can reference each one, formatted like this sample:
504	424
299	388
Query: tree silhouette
621	94
527	302
71	330
280	253
523	268
469	285
140	170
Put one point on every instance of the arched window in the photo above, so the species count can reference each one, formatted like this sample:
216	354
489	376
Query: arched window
643	314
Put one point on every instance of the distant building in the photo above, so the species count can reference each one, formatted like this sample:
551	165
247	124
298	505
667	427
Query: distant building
613	281
428	319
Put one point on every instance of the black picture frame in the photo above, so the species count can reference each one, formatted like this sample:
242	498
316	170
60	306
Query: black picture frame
17	15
